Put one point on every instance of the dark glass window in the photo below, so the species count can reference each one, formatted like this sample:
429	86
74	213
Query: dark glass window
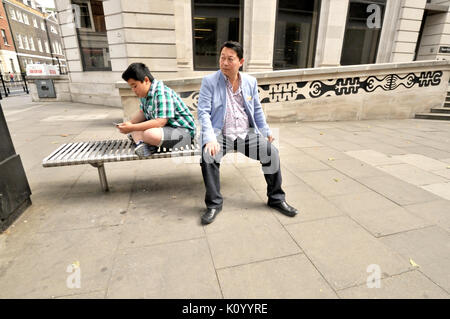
295	34
362	33
91	32
214	22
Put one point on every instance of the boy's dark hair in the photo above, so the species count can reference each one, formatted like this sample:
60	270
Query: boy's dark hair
138	72
235	46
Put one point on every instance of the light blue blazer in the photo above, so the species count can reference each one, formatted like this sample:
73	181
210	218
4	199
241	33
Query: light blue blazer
212	104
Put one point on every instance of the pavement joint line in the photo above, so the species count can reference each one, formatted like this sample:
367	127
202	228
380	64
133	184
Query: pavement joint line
383	278
124	249
312	263
114	259
425	275
77	229
260	261
73	295
298	245
213	263
410	230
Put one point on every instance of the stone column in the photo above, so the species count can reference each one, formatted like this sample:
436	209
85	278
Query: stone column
408	28
387	38
436	34
183	35
142	31
333	17
259	34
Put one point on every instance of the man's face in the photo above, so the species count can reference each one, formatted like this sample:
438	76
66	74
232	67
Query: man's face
140	88
229	62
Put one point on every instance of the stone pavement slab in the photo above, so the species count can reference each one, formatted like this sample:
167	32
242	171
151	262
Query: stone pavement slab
310	204
427	151
355	168
40	271
423	162
377	214
174	270
429	248
397	190
292	277
411	174
439	189
332	183
241	240
437	212
342	251
144	226
373	158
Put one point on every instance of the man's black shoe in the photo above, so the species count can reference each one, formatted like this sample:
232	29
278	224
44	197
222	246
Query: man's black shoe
284	208
210	215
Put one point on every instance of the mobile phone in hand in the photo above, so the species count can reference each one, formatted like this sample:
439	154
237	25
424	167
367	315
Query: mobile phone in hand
116	124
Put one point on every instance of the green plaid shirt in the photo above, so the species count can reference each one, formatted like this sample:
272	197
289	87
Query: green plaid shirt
163	102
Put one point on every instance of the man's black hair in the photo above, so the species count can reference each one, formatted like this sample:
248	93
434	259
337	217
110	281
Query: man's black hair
235	46
138	72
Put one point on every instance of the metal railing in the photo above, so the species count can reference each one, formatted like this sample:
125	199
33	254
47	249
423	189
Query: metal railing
13	84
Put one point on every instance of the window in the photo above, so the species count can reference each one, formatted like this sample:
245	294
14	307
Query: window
295	34
91	33
47	48
25	42
35	24
362	33
25	19
5	40
40	45
12	13
42	25
19	39
19	16
30	61
32	47
215	22
83	17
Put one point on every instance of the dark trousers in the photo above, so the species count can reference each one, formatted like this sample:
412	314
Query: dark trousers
255	147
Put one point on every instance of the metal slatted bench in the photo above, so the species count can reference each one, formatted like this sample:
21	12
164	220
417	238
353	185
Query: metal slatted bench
97	153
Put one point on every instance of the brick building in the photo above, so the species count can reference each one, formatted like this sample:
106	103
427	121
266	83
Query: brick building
37	37
8	56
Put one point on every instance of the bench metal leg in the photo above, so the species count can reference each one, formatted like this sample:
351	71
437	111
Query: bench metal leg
102	176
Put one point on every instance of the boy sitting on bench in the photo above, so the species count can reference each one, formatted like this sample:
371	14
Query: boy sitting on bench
163	120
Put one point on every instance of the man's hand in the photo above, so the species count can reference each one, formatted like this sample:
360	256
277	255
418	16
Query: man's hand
125	127
212	148
270	138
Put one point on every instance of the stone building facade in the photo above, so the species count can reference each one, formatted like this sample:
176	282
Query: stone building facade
180	38
36	35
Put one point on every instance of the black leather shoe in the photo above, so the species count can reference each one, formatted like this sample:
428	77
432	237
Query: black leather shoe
210	215
284	208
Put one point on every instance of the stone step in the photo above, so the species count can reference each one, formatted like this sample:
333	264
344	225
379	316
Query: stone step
441	110
433	116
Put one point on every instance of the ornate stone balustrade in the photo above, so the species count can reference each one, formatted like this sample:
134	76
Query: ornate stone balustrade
377	91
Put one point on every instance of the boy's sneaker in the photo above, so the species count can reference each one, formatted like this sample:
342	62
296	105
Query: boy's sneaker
144	150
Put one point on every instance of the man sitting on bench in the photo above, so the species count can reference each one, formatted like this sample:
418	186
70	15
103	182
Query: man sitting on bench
163	120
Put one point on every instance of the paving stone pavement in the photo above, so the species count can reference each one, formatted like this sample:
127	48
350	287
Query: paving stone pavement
374	222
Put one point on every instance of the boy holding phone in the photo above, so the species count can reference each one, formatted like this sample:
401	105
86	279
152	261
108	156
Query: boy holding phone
163	120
